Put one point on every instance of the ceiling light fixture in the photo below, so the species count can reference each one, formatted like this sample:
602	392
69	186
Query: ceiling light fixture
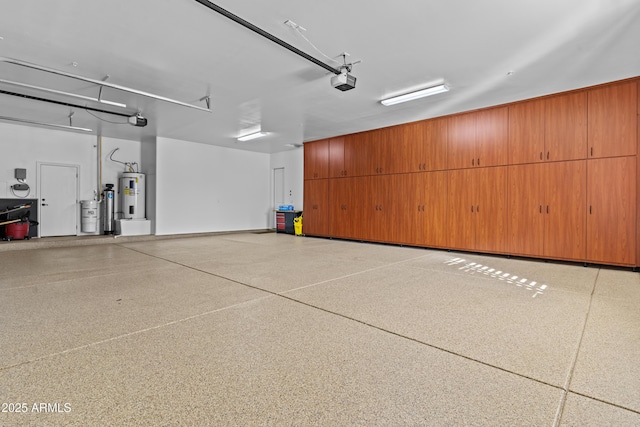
250	136
415	95
100	83
14	119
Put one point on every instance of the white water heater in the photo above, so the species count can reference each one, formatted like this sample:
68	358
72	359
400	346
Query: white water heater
132	194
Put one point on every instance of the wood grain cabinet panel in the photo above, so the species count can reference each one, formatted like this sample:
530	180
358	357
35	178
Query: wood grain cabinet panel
430	208
526	132
477	209
526	206
315	221
461	141
613	120
611	217
492	136
357	154
378	218
566	127
565	210
478	139
346	204
423	145
336	158
316	159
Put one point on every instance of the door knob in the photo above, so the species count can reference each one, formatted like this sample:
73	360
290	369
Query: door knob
45	204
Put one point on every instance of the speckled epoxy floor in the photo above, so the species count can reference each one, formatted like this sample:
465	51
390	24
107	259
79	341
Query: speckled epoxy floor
272	329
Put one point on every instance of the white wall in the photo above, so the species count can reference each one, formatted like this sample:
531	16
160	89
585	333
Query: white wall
25	146
204	188
193	188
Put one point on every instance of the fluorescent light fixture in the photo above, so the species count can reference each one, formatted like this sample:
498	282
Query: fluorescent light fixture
251	136
13	119
115	104
415	95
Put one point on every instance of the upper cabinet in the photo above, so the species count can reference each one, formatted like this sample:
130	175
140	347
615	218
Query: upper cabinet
316	159
478	139
613	120
422	146
526	132
566	127
336	158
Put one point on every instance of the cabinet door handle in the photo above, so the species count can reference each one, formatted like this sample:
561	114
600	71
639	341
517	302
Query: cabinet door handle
541	155
473	162
478	208
540	208
471	208
590	209
591	151
547	208
547	155
478	161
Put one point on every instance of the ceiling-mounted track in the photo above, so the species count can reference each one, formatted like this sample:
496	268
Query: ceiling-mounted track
266	35
98	82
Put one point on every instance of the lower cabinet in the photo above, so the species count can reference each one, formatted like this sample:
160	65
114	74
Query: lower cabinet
315	220
421	209
547	208
578	210
477	209
611	211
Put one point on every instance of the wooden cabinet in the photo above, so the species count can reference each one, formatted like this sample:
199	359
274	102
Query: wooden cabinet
461	141
316	207
346	202
613	120
378	217
566	127
526	202
478	139
477	209
421	146
526	132
336	158
547	210
565	210
420	215
611	217
569	191
316	159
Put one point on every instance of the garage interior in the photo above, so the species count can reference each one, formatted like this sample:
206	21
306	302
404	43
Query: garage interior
188	306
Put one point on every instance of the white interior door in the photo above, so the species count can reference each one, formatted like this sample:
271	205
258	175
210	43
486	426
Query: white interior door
58	200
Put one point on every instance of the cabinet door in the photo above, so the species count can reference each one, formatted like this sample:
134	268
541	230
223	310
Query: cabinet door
389	157
378	215
316	159
611	217
491	137
461	141
406	200
566	127
613	120
357	154
410	152
316	213
526	132
434	152
525	195
336	157
461	209
490	214
343	207
565	210
431	224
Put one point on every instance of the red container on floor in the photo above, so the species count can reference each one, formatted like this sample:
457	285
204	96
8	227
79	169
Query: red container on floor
16	231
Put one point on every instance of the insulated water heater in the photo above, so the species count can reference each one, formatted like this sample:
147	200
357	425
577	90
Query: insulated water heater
132	195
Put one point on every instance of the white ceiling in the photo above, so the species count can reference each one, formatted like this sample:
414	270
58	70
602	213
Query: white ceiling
182	50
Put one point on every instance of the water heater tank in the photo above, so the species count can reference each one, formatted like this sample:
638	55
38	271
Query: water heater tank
132	195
